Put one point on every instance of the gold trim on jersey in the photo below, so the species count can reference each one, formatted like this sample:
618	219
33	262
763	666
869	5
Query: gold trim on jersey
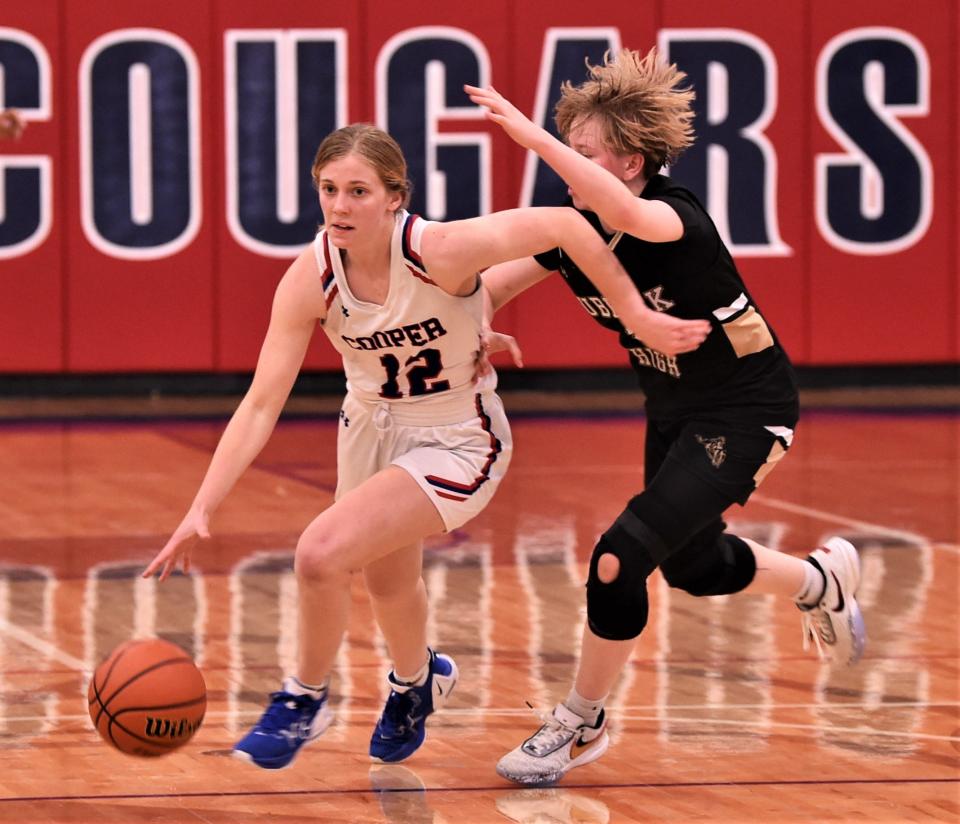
748	333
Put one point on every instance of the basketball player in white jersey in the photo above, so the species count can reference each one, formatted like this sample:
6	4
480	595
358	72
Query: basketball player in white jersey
421	447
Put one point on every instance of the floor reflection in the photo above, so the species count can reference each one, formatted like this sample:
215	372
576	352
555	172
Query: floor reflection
402	795
715	660
553	806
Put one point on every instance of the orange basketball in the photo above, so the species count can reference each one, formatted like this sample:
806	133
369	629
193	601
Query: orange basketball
147	697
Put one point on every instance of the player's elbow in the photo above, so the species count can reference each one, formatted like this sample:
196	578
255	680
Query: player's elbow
618	214
568	224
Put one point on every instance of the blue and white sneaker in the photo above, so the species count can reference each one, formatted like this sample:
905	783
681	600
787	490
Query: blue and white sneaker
835	624
288	723
401	729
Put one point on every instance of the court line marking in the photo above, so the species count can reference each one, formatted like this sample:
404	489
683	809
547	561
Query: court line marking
43	647
786	506
376	791
618	708
629	713
832	729
867	526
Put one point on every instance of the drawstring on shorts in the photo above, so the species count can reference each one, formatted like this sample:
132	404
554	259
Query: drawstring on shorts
382	419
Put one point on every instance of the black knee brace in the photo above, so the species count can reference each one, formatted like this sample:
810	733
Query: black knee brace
725	566
618	610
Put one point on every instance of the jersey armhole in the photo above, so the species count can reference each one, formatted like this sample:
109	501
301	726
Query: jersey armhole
411	240
328	280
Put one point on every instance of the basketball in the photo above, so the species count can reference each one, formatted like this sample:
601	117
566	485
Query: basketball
147	697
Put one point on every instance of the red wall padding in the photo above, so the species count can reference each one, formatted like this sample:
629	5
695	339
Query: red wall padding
70	305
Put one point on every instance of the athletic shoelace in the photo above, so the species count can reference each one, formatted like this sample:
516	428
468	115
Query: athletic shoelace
816	625
551	733
284	710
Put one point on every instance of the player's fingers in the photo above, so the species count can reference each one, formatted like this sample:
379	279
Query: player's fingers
158	562
168	567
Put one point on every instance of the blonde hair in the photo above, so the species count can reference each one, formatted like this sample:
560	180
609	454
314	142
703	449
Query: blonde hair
376	147
639	104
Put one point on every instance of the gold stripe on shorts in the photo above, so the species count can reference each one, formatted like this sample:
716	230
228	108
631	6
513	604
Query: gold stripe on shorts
776	453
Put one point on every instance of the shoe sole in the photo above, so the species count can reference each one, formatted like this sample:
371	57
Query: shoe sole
547	779
246	758
858	630
857	627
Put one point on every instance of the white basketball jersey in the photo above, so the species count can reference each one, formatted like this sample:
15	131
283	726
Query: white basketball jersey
422	341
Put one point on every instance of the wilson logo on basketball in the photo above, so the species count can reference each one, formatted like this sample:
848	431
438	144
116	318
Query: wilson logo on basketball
165	728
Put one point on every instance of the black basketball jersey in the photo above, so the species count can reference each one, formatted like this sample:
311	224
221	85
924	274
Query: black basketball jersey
740	369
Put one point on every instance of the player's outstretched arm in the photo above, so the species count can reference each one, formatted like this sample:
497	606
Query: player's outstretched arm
659	330
469	246
615	204
297	305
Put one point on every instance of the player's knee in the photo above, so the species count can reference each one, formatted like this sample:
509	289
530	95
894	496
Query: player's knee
722	568
616	592
617	604
608	567
317	557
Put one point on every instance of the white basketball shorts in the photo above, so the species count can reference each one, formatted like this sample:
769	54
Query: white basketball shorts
457	449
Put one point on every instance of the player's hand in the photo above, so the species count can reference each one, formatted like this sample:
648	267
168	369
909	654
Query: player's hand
670	335
502	112
196	524
11	124
491	342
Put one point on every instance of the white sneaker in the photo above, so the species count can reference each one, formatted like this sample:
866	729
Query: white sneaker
836	624
563	742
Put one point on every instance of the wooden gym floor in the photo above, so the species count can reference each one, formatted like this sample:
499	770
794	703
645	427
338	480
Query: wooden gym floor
720	716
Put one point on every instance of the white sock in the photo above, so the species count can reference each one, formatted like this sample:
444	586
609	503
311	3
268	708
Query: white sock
416	680
295	686
587	708
814	585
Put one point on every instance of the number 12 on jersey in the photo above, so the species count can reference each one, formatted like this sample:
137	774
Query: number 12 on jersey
422	371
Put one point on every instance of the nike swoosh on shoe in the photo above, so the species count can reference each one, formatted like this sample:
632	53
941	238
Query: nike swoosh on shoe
839	607
580	746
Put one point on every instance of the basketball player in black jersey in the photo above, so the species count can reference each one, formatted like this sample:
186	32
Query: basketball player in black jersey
718	418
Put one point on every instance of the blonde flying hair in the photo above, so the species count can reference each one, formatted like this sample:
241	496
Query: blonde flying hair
639	104
376	147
